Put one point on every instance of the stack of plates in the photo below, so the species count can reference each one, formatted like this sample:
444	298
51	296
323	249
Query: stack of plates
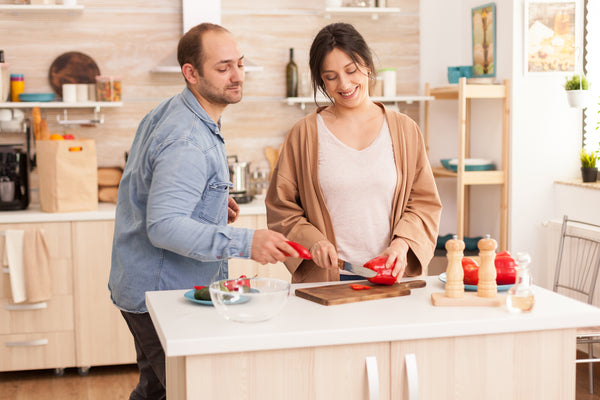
36	96
471	164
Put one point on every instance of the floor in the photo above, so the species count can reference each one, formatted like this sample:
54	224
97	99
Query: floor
117	382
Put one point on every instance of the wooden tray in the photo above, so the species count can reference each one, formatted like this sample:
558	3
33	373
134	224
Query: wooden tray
470	299
342	293
72	67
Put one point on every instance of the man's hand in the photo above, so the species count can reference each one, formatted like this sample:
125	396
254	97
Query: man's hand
233	210
269	247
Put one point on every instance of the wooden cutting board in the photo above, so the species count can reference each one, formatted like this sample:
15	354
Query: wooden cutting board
342	293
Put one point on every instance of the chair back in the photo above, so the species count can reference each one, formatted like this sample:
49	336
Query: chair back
578	260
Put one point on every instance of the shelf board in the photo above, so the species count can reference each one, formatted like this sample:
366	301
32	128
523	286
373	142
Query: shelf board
473	91
472	177
37	8
373	11
176	69
409	99
61	104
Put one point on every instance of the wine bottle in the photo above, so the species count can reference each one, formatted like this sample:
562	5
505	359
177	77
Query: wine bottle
291	77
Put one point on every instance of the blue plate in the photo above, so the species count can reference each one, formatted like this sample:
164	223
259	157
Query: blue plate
43	97
190	296
472	288
471	164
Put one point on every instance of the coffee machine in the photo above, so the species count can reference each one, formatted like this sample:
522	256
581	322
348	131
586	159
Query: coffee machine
14	168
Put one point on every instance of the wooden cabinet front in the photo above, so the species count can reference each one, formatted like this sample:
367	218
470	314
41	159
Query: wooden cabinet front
102	335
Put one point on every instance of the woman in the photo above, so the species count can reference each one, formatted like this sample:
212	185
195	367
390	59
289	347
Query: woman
353	180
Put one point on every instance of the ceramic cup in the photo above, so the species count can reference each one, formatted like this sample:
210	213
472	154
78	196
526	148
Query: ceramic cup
82	92
69	92
453	74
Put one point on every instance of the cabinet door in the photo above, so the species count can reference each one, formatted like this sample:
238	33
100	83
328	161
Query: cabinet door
101	333
526	365
321	373
251	268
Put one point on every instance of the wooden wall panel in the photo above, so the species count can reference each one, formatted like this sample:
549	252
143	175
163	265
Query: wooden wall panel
128	39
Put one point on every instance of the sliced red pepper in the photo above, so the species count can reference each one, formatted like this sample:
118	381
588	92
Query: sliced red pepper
358	286
235	284
199	287
384	274
302	251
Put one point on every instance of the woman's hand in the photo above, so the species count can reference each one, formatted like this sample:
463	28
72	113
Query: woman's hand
324	254
397	251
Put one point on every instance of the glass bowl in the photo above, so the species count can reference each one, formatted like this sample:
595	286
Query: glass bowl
249	299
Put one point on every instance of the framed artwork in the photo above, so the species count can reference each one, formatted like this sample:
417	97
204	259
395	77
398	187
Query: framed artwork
483	19
552	36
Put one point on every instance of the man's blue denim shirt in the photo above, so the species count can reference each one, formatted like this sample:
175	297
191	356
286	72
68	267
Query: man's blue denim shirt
171	221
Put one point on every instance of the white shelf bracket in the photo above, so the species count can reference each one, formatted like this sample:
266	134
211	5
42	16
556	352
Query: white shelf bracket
97	119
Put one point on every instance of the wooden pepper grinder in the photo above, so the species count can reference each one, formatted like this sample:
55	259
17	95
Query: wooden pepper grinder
455	287
487	271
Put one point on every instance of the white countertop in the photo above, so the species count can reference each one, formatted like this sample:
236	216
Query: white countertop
106	211
186	328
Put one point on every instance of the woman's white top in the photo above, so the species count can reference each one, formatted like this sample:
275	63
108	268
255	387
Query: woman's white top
358	186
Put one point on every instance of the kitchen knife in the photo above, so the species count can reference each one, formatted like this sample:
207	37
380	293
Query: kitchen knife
356	269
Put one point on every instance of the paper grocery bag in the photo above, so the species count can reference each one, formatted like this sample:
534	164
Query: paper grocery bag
68	175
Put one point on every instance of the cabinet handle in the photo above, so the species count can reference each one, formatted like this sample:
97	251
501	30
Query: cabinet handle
412	376
25	307
27	343
373	378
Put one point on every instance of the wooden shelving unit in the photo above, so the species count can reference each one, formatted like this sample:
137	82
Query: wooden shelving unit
463	94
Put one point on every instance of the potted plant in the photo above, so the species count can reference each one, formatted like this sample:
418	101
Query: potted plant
589	172
577	91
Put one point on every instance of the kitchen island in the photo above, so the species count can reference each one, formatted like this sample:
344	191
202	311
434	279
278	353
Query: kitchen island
311	351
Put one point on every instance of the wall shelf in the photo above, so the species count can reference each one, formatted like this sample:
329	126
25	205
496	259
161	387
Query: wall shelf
408	99
373	11
61	104
175	69
26	8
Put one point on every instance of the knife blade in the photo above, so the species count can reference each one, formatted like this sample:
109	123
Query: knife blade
356	269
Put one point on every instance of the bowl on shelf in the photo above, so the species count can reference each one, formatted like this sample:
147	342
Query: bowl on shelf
42	97
471	164
249	299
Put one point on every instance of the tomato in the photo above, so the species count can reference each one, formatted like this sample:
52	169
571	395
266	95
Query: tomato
384	275
470	271
506	272
68	136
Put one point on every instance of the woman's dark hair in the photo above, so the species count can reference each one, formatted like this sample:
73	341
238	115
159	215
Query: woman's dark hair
341	36
189	49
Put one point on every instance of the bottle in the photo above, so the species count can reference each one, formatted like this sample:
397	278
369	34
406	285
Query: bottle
291	77
17	86
520	297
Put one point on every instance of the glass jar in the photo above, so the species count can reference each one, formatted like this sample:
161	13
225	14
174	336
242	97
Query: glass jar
520	297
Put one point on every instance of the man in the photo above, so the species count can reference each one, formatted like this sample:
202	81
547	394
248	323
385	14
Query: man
173	206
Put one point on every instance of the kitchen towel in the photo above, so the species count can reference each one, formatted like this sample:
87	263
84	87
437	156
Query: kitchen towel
13	259
36	265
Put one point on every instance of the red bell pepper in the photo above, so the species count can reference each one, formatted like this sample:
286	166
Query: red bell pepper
384	275
199	287
302	251
506	272
470	271
358	286
236	284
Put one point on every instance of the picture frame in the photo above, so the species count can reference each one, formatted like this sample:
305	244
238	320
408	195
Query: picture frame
553	37
483	24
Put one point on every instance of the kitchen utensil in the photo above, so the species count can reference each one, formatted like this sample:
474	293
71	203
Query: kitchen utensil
240	175
342	293
272	155
72	67
14	178
266	298
356	269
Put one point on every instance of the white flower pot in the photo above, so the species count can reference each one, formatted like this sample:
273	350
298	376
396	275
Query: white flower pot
578	98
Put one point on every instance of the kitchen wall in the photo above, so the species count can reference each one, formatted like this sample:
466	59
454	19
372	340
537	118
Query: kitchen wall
129	39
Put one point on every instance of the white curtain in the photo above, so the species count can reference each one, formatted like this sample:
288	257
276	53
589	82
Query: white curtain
592	69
